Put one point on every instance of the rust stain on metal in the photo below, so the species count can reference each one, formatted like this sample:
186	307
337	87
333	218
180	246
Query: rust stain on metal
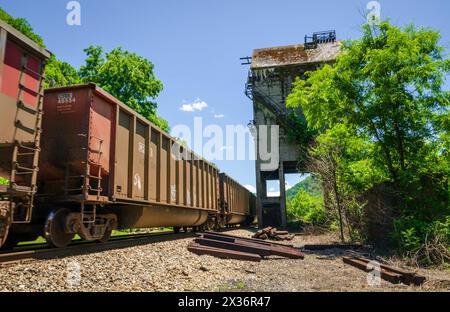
295	55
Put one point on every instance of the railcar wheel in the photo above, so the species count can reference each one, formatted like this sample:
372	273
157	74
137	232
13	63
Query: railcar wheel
4	230
106	236
5	223
211	224
176	229
55	229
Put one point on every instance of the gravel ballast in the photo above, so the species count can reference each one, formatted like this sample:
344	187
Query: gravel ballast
169	266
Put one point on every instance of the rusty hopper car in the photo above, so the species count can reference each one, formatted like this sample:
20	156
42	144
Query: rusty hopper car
235	201
22	65
104	166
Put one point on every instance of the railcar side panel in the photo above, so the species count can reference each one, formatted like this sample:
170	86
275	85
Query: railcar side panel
140	181
139	165
154	151
122	157
235	200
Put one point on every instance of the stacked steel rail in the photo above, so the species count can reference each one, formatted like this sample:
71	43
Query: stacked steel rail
232	247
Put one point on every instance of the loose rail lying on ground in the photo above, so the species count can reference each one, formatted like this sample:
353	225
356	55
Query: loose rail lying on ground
333	246
388	273
231	247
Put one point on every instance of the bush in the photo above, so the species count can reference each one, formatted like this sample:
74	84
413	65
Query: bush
425	243
3	181
307	208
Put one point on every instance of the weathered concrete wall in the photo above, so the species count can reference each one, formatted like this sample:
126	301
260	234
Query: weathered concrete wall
272	75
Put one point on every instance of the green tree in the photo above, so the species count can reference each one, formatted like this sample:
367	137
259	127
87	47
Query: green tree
343	160
388	85
311	185
60	74
127	76
21	25
307	208
387	88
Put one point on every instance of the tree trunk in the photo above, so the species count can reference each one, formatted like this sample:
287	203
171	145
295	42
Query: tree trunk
400	145
338	205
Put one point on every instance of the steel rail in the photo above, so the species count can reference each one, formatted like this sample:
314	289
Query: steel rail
82	248
44	252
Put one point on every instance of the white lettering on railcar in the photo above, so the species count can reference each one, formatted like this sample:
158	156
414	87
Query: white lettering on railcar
66	98
137	181
65	103
141	148
188	198
173	192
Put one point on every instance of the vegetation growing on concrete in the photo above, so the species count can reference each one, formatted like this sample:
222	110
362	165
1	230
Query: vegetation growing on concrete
383	121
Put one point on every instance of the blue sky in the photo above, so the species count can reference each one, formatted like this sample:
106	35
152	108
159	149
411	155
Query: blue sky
196	44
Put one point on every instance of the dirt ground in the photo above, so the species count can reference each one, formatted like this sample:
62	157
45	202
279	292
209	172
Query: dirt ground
169	266
325	271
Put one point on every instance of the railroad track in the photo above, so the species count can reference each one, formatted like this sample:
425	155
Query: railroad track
44	252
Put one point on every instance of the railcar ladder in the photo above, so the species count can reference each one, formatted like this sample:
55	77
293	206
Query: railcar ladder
23	154
88	213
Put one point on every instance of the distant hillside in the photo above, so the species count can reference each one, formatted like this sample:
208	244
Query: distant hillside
310	185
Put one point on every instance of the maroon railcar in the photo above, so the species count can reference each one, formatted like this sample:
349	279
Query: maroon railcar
105	166
22	65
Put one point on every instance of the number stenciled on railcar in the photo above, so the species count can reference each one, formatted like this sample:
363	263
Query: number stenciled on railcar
141	148
66	98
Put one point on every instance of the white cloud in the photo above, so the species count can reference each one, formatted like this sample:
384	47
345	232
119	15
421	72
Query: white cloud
187	108
219	116
197	105
251	188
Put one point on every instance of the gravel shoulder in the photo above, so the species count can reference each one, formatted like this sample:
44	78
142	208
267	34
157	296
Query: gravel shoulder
169	266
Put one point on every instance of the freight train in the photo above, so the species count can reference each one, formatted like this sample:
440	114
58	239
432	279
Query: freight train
79	161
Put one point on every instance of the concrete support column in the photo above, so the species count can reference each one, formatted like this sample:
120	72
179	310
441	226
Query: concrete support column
259	191
282	196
